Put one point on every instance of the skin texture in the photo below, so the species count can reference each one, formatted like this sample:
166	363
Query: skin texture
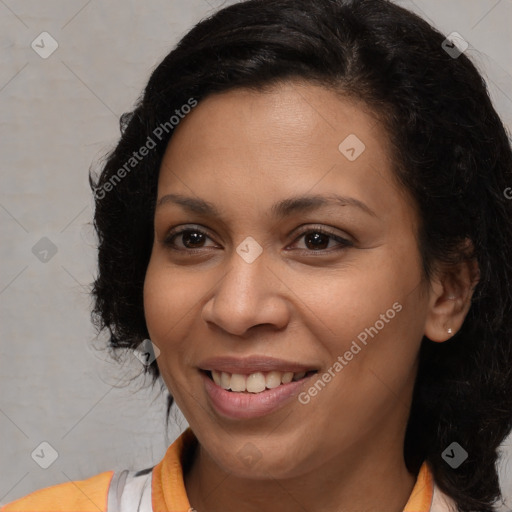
243	151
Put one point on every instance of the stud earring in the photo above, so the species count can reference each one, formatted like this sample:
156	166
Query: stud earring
450	330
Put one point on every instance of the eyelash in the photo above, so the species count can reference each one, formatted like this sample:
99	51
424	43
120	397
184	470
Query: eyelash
169	239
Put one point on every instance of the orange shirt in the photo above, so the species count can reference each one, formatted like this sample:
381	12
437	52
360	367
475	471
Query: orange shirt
168	493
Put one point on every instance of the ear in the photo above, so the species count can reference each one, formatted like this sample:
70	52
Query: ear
450	296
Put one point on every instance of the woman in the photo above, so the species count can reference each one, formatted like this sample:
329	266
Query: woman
307	215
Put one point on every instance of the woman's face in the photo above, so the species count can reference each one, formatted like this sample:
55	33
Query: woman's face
260	286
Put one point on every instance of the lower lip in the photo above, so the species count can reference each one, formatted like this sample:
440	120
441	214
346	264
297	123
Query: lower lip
250	405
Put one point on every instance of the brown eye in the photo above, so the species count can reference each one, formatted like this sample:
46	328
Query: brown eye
317	240
191	238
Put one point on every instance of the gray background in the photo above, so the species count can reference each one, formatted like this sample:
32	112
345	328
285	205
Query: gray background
58	115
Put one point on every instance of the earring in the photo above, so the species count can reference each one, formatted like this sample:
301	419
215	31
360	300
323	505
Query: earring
451	297
450	330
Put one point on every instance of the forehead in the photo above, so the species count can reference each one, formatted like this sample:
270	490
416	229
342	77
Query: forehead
256	147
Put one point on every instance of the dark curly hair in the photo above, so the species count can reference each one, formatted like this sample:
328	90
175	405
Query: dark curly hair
451	152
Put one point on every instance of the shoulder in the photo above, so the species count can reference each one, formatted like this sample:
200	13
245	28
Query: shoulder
88	495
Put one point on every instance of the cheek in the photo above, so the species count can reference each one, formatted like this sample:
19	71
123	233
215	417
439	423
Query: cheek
157	300
168	296
373	316
348	303
378	334
172	301
160	312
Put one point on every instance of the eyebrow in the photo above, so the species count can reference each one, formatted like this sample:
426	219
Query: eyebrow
281	209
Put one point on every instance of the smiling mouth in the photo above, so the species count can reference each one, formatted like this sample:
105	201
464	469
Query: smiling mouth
256	382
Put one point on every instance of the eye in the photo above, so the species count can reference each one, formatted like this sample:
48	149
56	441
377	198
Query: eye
317	240
191	238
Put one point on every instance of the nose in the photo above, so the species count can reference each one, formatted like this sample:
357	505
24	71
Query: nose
248	295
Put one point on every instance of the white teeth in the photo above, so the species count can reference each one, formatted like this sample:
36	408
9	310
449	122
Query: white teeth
225	380
287	377
238	382
216	377
273	379
255	382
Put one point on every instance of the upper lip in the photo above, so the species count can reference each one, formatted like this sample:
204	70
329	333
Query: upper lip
253	364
